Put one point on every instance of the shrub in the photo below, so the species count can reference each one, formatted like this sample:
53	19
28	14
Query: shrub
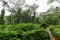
16	32
36	35
44	25
55	29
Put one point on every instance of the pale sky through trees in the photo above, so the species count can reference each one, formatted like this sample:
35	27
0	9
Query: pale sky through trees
43	6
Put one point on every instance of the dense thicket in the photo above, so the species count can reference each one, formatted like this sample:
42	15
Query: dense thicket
23	31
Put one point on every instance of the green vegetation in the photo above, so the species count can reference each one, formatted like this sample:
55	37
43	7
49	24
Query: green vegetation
26	24
55	29
27	31
23	31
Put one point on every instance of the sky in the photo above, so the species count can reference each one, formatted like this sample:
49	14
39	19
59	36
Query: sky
41	3
43	6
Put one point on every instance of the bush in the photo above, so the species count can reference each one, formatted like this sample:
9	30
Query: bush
36	35
23	32
44	25
55	29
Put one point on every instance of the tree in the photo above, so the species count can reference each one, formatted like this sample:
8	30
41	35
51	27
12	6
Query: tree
17	9
14	6
33	8
3	12
50	1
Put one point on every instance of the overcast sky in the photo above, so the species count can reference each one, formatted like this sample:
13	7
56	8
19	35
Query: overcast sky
43	6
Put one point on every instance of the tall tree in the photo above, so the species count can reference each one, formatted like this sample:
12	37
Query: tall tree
14	6
3	11
34	12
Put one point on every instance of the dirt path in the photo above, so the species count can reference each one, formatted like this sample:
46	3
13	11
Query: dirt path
50	34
